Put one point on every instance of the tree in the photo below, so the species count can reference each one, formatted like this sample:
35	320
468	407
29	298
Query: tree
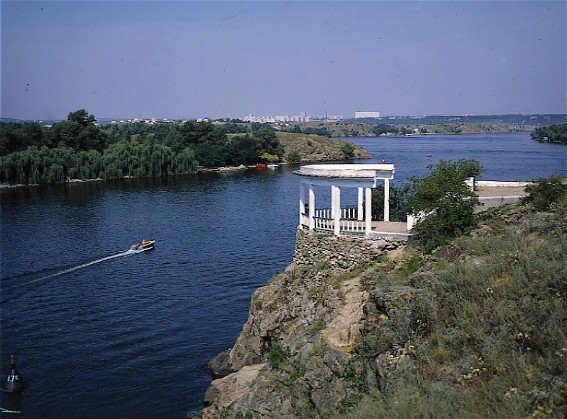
556	133
544	193
91	138
268	144
81	117
348	150
242	151
185	162
382	129
78	132
174	139
398	203
294	156
444	201
19	136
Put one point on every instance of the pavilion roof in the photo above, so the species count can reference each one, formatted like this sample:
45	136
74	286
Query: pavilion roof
348	171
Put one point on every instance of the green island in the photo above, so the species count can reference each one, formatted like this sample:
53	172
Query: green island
80	149
470	326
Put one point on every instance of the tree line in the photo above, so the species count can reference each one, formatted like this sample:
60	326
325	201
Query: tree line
556	133
79	149
386	129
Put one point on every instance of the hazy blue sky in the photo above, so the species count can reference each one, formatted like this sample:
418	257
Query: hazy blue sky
189	59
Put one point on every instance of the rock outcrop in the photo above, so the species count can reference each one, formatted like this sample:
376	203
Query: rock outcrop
293	356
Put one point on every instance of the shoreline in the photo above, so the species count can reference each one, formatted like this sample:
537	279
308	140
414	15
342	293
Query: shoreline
224	169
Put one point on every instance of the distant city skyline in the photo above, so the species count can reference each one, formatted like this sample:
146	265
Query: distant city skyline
554	118
193	59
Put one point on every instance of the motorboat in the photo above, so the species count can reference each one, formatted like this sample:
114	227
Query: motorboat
144	245
272	166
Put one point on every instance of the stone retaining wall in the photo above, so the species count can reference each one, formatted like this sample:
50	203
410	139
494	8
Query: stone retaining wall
339	252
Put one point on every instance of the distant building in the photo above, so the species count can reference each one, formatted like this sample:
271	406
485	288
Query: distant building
359	115
303	117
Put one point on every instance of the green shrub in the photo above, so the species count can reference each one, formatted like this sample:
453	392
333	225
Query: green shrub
355	374
319	325
277	356
298	371
349	403
348	150
545	192
293	157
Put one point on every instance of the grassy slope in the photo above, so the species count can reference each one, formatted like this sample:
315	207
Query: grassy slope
313	148
487	333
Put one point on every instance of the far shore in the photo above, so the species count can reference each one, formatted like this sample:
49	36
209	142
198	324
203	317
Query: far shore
226	169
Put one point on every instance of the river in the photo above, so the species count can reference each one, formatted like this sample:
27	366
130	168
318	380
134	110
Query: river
99	332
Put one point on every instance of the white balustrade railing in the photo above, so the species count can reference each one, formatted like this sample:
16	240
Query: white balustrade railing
346	213
323	220
352	225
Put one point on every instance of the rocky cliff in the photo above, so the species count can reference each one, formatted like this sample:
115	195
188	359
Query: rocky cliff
302	327
357	328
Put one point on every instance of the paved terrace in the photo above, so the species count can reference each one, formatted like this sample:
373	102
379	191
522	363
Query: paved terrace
494	194
491	194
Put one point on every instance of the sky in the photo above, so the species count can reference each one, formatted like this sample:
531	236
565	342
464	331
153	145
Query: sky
191	59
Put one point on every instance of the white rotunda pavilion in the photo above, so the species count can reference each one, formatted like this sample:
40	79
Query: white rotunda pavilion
333	217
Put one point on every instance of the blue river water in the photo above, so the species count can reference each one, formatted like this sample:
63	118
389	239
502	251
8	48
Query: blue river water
100	332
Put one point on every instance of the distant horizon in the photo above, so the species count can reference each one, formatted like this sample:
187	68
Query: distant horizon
315	117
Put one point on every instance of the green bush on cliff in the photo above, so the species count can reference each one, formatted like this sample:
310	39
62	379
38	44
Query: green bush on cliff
277	356
445	201
543	193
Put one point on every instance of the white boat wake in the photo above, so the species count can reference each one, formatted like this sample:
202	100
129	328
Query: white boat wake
128	252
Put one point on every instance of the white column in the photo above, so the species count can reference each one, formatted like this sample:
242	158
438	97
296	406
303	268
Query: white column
301	202
333	201
360	203
386	199
337	209
311	207
368	217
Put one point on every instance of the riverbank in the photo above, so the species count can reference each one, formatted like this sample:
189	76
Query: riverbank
388	335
